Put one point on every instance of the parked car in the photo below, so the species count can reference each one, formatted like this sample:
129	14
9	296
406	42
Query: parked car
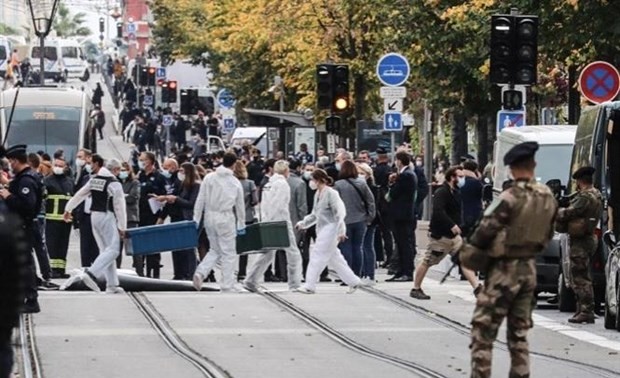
612	289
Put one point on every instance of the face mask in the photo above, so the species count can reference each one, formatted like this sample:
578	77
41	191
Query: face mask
363	177
418	163
181	176
312	185
123	175
80	163
461	182
307	175
166	173
88	168
338	166
141	164
58	171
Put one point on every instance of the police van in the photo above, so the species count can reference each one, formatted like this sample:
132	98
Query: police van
552	163
5	54
63	59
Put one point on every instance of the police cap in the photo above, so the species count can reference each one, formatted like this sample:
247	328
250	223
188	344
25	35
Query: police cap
520	152
381	151
467	157
583	172
16	151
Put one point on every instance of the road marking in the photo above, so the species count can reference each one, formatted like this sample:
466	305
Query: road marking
552	325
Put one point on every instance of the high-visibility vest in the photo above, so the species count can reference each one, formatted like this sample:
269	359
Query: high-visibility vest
55	206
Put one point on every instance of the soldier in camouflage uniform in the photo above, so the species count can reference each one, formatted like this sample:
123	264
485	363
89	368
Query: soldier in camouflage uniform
514	228
579	220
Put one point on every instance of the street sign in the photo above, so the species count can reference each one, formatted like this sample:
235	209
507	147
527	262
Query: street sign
393	121
148	100
331	144
132	28
160	73
393	92
599	82
225	99
393	69
510	118
167	120
131	36
229	124
393	105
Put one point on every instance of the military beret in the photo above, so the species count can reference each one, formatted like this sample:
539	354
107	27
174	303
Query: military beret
467	157
16	151
381	151
583	172
520	152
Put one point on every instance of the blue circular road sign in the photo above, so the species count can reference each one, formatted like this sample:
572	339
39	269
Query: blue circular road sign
393	69
225	99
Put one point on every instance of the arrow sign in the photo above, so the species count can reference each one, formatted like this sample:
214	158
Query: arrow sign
393	105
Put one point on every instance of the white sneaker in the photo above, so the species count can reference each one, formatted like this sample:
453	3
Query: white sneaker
304	290
353	289
75	277
234	289
114	290
90	283
249	286
368	282
198	280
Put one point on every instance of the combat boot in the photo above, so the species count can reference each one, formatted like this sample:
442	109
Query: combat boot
582	318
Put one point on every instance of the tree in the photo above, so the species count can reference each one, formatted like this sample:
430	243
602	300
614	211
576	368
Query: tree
7	30
67	25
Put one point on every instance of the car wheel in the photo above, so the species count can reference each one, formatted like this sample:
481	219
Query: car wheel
566	296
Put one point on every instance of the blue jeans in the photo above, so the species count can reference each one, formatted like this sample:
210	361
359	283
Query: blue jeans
351	248
370	257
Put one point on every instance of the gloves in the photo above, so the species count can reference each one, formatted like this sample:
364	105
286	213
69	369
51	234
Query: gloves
241	232
299	225
456	258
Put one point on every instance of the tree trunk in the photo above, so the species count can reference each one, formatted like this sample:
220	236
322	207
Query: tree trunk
359	88
459	136
483	141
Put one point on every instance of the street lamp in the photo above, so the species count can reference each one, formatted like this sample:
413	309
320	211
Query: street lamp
42	12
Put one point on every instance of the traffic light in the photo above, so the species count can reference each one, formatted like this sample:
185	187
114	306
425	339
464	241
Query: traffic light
514	49
172	91
101	25
324	85
332	124
151	76
119	30
340	87
189	101
502	41
143	78
164	92
526	50
512	100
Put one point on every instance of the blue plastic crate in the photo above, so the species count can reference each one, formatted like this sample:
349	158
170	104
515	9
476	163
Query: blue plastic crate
162	238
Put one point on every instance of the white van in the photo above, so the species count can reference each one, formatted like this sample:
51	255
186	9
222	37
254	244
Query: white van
552	159
5	54
73	59
63	59
52	63
256	136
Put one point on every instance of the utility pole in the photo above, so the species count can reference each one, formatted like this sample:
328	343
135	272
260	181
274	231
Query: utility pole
428	158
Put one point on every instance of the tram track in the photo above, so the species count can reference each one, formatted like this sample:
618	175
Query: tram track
465	330
345	341
207	367
30	363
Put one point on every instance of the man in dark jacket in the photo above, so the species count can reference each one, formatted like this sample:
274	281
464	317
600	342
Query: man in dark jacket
445	231
471	196
384	244
402	213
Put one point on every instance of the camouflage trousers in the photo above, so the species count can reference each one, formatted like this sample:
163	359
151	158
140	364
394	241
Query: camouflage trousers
580	251
508	293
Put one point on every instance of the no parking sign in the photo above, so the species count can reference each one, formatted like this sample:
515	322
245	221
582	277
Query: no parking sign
599	82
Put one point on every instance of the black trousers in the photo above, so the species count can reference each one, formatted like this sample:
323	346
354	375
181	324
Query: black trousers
153	262
88	245
119	259
57	234
30	283
384	243
404	235
40	249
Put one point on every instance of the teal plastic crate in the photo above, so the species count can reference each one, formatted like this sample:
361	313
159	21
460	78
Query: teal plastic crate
161	238
263	237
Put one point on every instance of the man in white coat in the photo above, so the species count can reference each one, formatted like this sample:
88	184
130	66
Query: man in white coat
275	208
109	223
221	205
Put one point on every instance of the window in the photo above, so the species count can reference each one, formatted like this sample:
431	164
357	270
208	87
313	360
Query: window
3	55
50	53
70	52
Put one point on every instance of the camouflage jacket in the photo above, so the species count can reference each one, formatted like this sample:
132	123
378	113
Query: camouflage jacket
583	214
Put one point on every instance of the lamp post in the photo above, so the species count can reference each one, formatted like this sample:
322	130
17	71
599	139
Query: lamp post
42	12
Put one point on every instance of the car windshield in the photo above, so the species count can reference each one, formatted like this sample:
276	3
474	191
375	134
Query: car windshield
70	52
553	162
3	55
46	129
50	53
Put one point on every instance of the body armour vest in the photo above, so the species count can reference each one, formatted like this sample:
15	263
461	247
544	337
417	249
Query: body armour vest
102	201
532	217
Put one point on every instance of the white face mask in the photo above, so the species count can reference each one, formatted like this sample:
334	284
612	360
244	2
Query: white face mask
362	176
461	182
307	175
166	173
123	175
79	163
312	184
181	176
88	168
141	164
338	166
58	171
419	163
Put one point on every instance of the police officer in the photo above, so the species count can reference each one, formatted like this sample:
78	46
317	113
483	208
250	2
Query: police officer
384	243
514	229
580	220
57	232
24	198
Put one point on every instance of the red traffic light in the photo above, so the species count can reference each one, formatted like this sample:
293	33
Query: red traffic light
161	82
172	84
152	70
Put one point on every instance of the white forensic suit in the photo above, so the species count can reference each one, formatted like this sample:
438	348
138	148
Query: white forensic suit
275	208
221	205
108	216
328	214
